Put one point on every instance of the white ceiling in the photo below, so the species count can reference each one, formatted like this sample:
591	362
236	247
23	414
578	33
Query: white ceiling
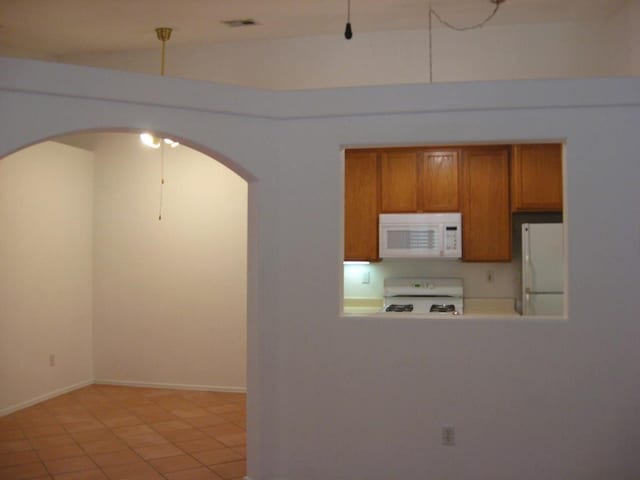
64	27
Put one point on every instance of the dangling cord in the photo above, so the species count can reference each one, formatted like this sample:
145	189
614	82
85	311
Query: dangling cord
472	27
348	33
161	178
430	46
433	13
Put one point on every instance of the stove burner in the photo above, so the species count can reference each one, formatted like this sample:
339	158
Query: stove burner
443	308
400	308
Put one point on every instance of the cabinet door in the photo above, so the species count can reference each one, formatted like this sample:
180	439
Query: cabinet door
399	181
486	217
537	178
439	176
361	200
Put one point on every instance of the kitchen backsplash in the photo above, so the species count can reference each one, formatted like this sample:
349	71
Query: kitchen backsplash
481	280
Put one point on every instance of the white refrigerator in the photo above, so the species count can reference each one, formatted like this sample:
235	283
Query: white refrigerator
542	269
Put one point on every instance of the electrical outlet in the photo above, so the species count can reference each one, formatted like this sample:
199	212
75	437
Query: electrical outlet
448	436
52	360
366	277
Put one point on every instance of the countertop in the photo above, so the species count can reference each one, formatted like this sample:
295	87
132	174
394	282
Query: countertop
472	306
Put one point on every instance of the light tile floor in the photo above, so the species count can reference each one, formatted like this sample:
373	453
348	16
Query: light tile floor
103	432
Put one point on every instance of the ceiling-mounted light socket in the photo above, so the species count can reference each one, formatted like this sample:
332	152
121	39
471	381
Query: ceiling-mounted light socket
164	33
497	2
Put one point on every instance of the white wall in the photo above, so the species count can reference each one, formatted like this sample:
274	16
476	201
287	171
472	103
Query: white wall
170	295
46	200
561	50
342	398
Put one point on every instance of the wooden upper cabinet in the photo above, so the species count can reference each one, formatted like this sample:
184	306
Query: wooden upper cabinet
361	205
419	180
439	185
536	178
399	181
486	216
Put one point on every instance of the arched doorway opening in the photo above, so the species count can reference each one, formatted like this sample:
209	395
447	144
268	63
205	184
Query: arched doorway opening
99	290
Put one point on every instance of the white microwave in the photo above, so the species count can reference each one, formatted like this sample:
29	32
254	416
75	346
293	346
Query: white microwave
420	235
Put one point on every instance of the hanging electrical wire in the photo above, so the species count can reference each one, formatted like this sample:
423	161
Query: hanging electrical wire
433	13
348	33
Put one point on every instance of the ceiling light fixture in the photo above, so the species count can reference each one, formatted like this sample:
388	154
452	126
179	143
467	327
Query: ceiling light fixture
149	139
433	13
348	33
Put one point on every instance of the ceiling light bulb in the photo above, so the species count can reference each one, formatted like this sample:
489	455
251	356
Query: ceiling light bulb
149	140
348	33
171	143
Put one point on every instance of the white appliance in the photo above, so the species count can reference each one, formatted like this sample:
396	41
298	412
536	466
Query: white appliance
542	269
420	235
441	296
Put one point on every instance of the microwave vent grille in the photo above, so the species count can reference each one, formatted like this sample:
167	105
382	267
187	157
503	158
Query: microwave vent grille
413	239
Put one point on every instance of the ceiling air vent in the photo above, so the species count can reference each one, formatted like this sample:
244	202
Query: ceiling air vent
242	22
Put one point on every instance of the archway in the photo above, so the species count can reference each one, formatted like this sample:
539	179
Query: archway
144	291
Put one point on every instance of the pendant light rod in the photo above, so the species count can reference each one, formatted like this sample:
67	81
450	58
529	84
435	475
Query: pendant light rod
164	34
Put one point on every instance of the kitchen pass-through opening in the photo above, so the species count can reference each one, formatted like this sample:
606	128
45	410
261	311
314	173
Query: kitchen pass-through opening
488	219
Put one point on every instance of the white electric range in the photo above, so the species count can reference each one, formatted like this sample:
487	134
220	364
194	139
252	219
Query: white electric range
436	296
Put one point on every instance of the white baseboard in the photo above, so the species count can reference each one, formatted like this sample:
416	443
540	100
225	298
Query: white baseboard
42	398
171	386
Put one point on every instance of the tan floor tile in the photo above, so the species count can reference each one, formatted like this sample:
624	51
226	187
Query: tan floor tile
190	412
226	408
206	421
83	426
65	451
222	429
103	446
240	449
156	417
133	471
230	470
200	445
111	459
23	472
94	435
9	422
73	464
215	457
169	426
158	451
132	430
121	421
11	435
233	439
18	458
144	440
53	441
84	475
184	435
38	421
46	431
175	463
7	446
241	422
75	418
201	473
